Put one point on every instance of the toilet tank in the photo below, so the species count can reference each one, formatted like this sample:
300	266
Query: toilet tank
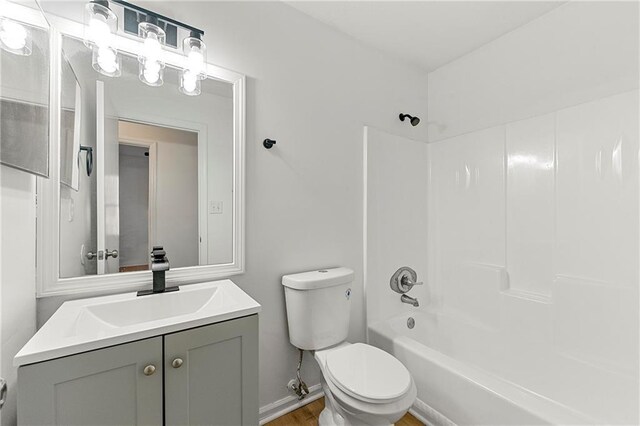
318	307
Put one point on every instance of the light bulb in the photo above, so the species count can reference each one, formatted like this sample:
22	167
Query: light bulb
13	35
151	77
152	50
99	31
195	62
100	23
195	52
154	39
189	81
152	72
107	60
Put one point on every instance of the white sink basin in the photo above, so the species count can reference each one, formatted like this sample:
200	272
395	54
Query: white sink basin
89	324
143	309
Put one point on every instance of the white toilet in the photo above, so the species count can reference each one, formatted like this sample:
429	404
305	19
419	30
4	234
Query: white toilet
363	385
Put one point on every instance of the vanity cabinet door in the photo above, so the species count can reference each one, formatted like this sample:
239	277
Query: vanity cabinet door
211	374
119	385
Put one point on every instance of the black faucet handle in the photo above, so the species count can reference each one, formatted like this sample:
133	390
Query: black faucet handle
158	253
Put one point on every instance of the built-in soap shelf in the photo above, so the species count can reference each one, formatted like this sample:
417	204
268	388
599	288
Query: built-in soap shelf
527	295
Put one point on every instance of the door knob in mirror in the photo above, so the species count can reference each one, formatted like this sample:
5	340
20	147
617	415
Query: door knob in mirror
112	253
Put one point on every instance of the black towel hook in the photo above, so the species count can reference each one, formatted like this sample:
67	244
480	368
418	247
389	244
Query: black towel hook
268	143
89	159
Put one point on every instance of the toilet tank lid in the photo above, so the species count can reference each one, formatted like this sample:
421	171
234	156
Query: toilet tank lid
318	279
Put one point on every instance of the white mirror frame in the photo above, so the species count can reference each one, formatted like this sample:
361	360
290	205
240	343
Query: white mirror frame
49	282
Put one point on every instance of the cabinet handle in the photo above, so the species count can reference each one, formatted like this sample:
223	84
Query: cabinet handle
149	370
177	363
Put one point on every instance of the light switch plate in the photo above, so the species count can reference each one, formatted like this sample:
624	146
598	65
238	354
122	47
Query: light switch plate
215	207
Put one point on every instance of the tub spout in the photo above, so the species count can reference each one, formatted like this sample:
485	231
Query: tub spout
410	300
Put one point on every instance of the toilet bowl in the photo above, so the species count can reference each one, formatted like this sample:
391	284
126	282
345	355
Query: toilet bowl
362	384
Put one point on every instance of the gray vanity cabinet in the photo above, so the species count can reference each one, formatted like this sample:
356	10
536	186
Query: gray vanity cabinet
212	374
102	387
201	376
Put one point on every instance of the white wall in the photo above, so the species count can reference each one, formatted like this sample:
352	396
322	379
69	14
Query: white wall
578	52
396	180
312	89
18	221
17	274
533	222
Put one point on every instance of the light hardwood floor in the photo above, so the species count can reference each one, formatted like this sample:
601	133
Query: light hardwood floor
309	414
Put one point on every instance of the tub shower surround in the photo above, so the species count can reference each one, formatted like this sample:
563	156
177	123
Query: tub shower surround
533	272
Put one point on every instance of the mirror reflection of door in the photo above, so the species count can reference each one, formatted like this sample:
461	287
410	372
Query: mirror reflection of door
151	158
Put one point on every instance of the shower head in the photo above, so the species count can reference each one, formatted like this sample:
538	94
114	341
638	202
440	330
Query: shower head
414	120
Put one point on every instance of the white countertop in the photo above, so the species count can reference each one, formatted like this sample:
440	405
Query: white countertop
89	324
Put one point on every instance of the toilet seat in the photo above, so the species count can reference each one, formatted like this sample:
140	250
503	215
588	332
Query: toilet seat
388	408
367	373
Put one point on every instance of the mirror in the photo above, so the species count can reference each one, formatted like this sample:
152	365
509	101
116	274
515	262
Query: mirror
70	120
24	89
135	166
163	169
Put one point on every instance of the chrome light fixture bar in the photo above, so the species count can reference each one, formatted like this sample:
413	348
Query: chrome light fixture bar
101	24
159	17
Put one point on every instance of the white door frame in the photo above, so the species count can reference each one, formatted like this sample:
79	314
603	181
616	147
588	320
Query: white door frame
153	178
100	117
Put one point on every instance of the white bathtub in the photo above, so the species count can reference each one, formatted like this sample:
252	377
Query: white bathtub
463	390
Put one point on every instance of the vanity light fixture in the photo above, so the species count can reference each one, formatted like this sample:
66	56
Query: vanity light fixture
150	56
100	25
156	32
14	37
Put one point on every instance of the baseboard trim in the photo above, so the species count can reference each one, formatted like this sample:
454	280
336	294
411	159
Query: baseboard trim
415	413
420	410
429	415
288	404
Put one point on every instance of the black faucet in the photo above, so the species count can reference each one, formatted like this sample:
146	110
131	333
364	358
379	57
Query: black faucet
159	265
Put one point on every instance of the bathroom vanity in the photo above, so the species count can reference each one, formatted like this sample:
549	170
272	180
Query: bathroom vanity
186	357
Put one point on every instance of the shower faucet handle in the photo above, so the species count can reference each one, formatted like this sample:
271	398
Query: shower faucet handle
404	279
